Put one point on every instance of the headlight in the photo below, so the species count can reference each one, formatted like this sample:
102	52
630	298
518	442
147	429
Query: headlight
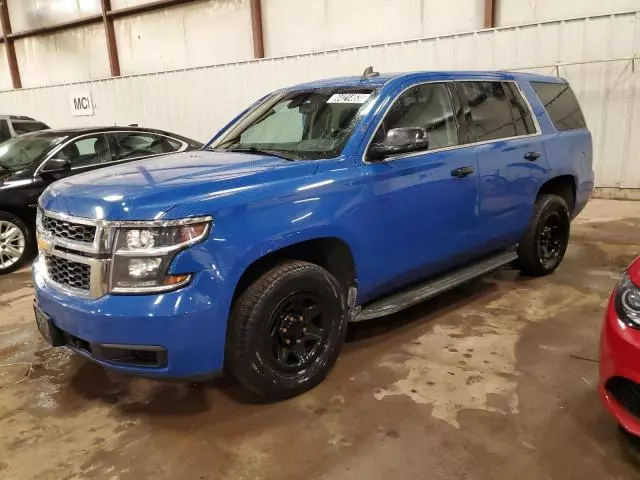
628	301
143	252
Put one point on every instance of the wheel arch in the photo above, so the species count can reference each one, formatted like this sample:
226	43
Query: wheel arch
332	253
563	186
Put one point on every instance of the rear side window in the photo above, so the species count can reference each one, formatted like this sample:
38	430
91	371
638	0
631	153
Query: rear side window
561	105
488	111
5	134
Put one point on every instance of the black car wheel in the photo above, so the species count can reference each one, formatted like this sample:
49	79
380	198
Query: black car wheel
286	330
545	242
16	242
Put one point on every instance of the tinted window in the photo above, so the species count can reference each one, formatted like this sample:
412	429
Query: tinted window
488	111
86	151
27	127
519	110
426	106
561	105
130	145
5	134
174	144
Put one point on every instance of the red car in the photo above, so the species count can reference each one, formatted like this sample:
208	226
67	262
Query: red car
620	351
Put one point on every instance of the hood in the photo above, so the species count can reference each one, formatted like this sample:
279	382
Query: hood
146	189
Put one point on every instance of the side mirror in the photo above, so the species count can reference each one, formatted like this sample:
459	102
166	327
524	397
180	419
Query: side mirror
56	165
400	140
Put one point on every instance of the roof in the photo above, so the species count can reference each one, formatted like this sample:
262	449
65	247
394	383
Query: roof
382	79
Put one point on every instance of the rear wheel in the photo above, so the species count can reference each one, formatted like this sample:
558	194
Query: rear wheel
16	242
545	242
286	330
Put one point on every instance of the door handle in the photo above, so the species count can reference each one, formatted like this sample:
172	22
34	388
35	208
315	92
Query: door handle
461	172
532	156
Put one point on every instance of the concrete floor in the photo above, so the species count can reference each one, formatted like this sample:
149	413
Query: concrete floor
495	380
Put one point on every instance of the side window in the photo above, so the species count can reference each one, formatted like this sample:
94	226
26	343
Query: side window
519	110
129	145
561	105
5	134
172	144
489	111
426	106
86	151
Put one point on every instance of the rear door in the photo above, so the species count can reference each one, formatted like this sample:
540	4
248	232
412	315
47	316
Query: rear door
511	159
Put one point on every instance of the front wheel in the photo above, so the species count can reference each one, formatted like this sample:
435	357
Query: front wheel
286	330
16	242
545	242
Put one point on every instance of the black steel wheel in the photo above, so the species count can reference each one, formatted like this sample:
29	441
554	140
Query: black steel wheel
286	330
552	240
297	330
545	242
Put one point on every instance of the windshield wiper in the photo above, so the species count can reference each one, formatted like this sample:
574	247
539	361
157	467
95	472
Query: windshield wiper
273	153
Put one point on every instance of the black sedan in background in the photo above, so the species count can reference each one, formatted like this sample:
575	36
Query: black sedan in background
30	162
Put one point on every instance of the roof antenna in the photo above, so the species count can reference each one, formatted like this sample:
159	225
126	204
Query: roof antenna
369	73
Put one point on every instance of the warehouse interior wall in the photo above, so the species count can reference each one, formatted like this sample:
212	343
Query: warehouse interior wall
208	74
211	32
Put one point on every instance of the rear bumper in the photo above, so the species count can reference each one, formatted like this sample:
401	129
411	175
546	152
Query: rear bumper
186	327
620	363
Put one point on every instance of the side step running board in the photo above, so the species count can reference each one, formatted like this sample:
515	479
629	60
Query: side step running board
422	292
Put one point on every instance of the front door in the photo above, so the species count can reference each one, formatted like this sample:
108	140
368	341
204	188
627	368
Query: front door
423	214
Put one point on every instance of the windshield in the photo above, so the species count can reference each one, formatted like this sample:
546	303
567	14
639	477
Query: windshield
298	125
19	152
27	127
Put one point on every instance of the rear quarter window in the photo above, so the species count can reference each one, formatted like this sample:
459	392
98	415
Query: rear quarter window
561	105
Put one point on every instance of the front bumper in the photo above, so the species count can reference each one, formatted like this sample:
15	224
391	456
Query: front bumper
619	385
188	326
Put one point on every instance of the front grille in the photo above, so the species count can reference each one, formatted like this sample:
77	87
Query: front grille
68	273
626	393
70	231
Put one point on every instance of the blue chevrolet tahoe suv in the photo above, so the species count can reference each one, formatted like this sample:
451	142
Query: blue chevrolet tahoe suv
326	203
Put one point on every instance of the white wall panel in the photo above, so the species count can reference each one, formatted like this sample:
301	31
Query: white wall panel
295	26
514	12
5	76
68	56
197	102
187	36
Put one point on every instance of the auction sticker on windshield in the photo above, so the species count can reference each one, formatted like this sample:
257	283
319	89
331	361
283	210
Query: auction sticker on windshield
349	98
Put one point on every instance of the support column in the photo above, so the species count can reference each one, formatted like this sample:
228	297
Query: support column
9	46
256	26
112	46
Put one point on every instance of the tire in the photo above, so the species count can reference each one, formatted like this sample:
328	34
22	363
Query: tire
14	235
545	242
283	306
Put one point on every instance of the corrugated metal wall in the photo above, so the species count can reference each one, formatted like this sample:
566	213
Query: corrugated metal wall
595	54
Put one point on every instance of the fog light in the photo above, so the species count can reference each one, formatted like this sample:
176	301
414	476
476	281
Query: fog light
144	267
